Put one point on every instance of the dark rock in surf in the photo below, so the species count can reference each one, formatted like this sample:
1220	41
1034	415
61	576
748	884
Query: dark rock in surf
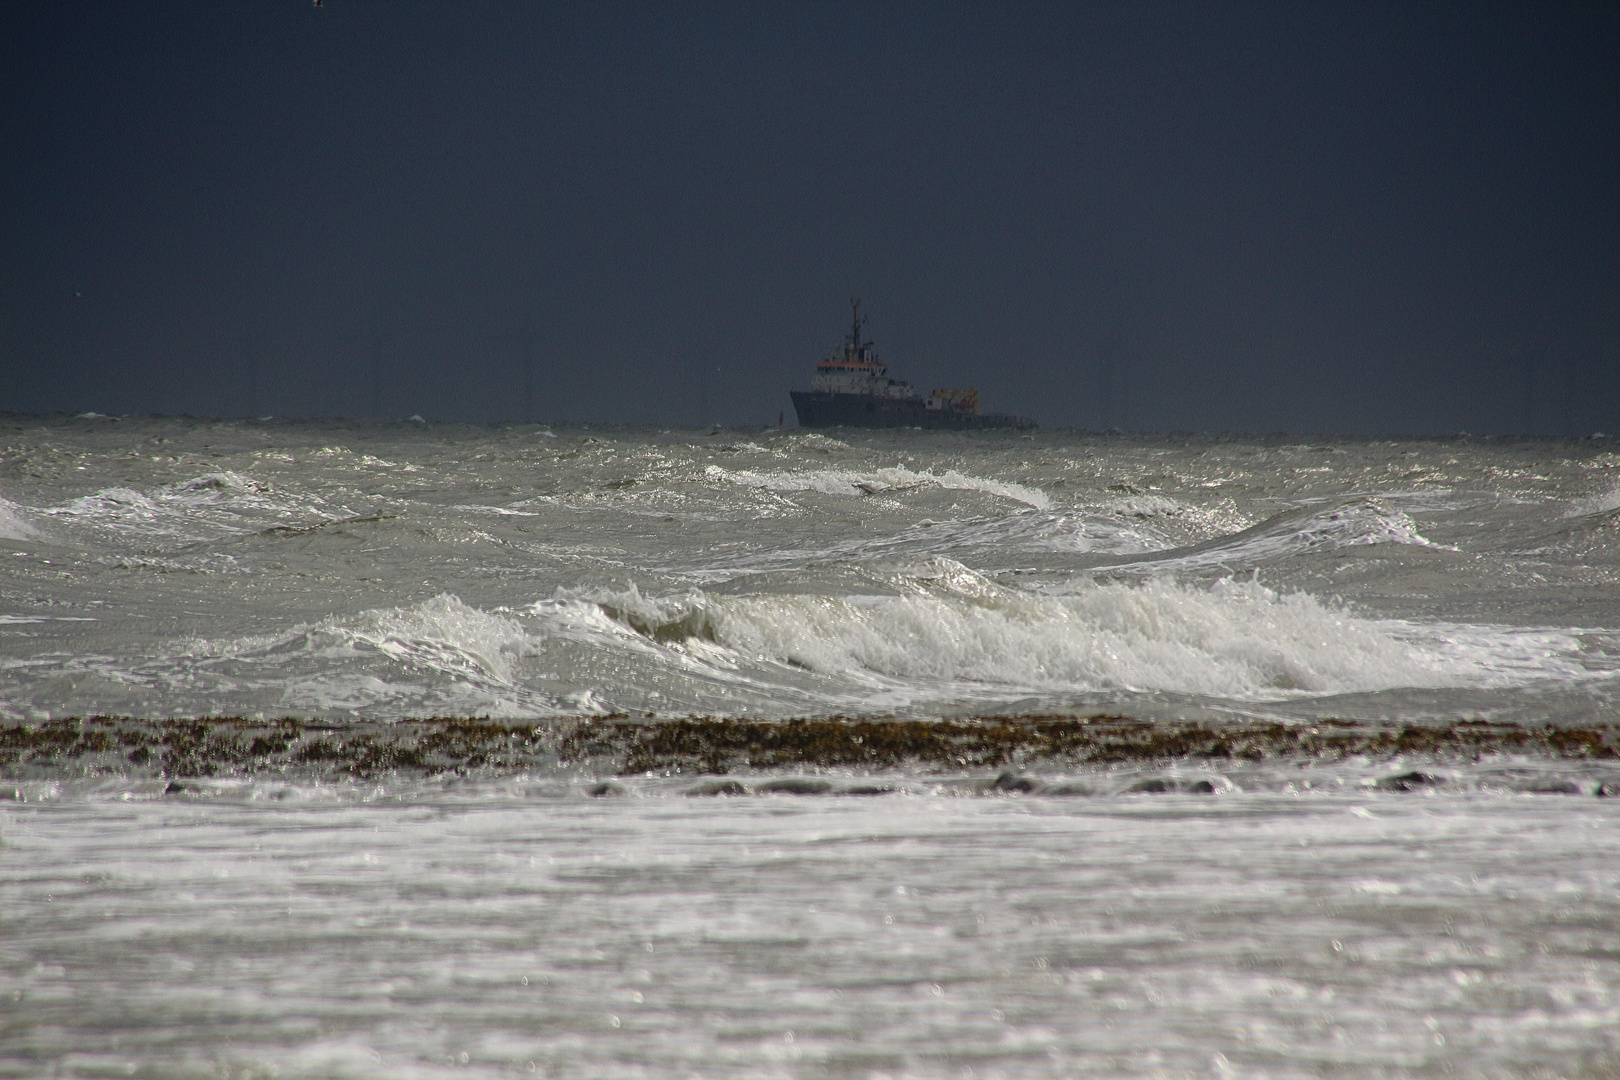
1068	790
1013	784
1408	781
794	786
1551	787
718	787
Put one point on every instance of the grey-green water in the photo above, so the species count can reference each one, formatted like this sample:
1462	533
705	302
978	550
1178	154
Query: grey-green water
1289	917
168	567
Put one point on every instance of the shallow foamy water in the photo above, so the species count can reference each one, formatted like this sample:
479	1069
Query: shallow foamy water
521	928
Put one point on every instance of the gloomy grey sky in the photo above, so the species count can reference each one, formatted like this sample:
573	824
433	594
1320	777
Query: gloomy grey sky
1346	218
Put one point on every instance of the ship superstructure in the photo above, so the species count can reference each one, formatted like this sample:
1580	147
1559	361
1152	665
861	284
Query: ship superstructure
856	369
852	387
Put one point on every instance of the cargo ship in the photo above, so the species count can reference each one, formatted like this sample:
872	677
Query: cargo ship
852	388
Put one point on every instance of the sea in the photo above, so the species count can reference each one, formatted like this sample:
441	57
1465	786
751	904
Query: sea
410	749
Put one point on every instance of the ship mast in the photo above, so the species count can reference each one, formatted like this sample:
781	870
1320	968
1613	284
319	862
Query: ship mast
855	331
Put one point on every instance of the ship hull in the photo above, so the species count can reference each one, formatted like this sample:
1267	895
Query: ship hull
818	409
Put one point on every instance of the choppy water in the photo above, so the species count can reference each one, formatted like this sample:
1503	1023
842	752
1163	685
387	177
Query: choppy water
166	567
1287	917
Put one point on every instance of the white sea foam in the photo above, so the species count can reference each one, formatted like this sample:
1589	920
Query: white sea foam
879	481
111	503
14	523
1006	490
1143	506
445	634
813	441
440	655
210	505
1595	504
499	511
441	633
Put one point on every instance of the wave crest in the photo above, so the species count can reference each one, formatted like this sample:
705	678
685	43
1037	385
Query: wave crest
951	626
879	482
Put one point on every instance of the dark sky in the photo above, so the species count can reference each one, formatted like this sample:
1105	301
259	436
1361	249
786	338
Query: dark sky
1347	219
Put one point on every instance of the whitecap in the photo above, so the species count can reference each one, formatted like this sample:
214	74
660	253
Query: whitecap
202	507
957	629
1592	505
14	523
1357	523
879	481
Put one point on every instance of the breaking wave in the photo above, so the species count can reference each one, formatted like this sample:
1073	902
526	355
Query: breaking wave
1233	640
13	524
945	635
1359	523
1601	503
441	655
